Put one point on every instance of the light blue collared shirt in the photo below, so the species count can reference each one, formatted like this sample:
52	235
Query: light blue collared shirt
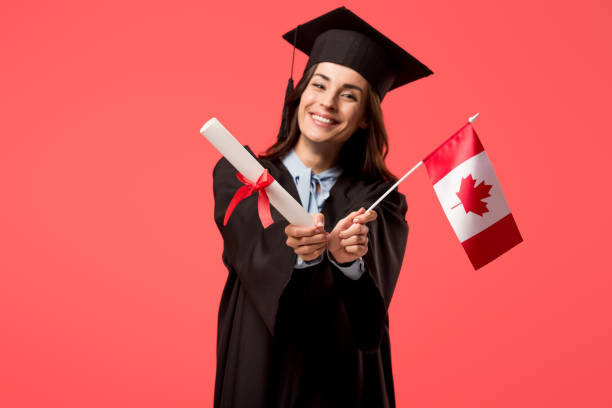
306	182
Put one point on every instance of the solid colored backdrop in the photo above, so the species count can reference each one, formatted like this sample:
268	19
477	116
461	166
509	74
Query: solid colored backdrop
110	263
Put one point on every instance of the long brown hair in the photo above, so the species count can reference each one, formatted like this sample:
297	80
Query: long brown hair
362	155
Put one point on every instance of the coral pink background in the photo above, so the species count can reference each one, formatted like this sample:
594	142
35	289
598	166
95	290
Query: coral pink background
109	258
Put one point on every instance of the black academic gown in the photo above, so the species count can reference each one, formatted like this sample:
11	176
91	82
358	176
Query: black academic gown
305	337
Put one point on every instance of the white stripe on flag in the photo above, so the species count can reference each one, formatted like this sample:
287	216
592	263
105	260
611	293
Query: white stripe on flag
470	224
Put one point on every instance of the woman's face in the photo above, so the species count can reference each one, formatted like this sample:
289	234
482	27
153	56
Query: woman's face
333	104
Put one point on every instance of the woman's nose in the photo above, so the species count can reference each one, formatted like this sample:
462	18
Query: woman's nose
328	100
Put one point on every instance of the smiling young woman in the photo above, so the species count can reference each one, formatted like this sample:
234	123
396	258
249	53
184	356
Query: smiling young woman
364	153
331	108
303	317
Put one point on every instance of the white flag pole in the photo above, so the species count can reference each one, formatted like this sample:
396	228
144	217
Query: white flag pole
395	185
471	120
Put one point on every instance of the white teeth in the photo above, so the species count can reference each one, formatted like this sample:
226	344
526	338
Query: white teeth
322	119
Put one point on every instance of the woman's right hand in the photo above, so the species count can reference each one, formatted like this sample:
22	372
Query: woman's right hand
308	242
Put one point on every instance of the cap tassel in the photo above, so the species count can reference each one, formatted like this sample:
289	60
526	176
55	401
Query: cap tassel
283	132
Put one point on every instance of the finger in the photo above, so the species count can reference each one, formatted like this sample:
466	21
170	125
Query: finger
308	249
313	255
359	250
297	231
357	213
354	240
366	217
319	220
348	220
355	229
315	239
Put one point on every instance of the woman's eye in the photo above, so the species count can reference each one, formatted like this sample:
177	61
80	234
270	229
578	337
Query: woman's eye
350	96
317	85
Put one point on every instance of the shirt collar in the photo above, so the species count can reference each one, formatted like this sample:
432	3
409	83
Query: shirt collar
296	167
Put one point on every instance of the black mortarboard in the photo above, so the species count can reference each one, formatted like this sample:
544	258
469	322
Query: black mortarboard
342	37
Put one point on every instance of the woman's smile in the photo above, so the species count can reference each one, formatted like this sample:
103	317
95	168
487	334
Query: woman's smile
323	120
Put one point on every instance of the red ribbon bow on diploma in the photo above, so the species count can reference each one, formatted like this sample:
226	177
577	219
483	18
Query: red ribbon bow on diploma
263	202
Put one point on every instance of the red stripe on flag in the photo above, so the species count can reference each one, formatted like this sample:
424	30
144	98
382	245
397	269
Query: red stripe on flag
454	151
493	241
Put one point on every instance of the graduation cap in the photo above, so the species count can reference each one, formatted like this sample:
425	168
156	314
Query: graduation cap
341	37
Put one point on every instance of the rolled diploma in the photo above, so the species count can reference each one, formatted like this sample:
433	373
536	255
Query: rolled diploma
250	168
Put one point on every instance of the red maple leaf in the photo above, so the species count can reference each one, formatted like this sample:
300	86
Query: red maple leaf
471	196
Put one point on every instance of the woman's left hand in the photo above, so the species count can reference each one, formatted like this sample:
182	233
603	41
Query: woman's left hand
348	240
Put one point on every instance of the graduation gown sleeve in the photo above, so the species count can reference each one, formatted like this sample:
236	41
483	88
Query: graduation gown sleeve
367	299
259	257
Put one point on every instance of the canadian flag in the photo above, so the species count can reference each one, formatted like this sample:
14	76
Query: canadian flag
471	197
